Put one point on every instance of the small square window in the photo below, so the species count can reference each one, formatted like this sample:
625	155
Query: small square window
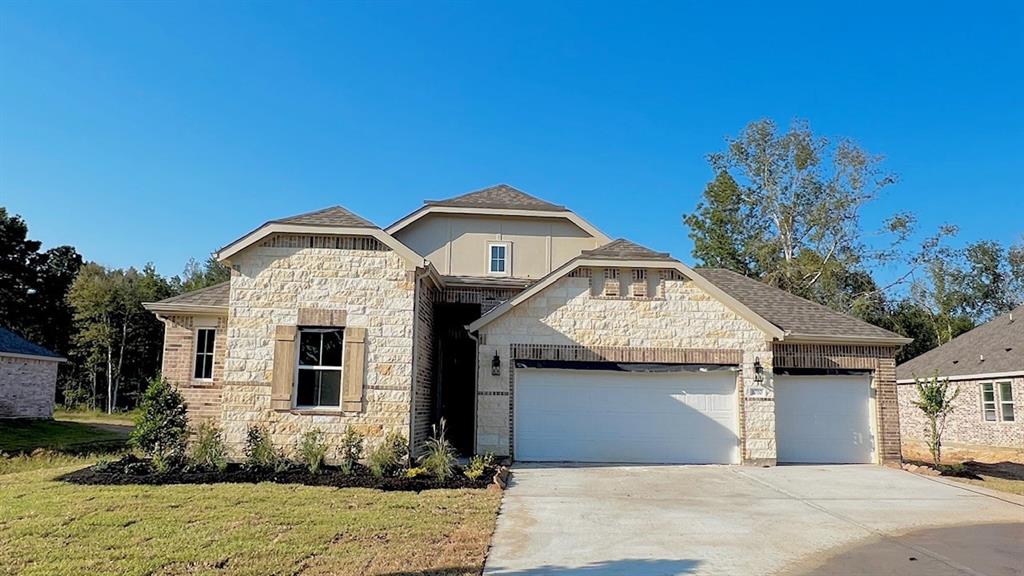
497	258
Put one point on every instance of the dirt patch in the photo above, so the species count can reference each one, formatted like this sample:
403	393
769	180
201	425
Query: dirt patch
132	470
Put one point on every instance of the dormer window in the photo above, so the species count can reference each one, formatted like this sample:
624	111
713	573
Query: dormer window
498	258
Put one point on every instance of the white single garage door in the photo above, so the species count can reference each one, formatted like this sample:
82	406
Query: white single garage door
824	419
608	416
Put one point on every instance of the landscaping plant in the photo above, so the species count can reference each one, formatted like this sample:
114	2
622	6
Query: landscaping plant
161	428
313	450
351	449
477	465
388	458
935	398
438	455
260	453
207	450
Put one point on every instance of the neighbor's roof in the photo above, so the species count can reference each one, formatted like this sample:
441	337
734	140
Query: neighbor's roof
800	318
502	197
333	216
622	249
996	347
12	344
210	299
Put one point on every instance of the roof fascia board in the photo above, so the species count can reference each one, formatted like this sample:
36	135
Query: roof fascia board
793	338
413	260
963	377
33	357
193	309
567	214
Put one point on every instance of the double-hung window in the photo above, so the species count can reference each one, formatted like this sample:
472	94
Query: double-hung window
497	258
203	364
997	401
318	383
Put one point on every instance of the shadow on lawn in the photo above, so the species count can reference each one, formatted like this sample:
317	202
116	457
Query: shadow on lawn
1004	470
626	567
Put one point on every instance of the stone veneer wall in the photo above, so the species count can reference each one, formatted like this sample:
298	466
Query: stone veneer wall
27	387
271	282
202	397
966	427
565	314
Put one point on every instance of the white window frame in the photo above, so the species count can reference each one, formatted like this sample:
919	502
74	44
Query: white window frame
992	405
507	258
299	366
1001	401
196	353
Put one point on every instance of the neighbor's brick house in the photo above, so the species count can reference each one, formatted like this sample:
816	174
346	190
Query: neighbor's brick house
28	377
987	365
533	334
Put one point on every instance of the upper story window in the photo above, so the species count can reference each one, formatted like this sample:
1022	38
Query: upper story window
203	364
498	258
997	401
318	382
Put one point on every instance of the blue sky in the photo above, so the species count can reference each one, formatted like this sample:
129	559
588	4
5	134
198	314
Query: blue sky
157	132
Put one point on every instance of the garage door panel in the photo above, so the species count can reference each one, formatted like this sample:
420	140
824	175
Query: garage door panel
603	416
824	419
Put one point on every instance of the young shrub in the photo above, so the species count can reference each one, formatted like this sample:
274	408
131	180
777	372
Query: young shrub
389	457
260	453
313	450
416	472
438	455
351	449
207	450
935	398
477	465
161	428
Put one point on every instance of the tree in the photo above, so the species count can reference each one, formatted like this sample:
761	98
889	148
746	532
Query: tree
935	397
198	275
161	426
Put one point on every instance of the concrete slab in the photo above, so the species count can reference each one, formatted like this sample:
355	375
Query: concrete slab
666	520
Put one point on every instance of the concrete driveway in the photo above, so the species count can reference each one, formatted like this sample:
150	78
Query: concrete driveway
730	520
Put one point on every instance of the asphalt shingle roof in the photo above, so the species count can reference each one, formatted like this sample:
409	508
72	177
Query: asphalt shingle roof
1000	342
622	249
501	197
216	295
11	343
333	216
788	311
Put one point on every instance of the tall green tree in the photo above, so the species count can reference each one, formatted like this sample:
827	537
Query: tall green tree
208	273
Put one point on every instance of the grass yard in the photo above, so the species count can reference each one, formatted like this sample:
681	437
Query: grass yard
49	527
1004	476
59	435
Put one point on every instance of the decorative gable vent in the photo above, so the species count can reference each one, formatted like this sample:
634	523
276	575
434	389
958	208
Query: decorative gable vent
611	283
638	287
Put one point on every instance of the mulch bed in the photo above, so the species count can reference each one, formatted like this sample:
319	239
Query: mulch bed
133	470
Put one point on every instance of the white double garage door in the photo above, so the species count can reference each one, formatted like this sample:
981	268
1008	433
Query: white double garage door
567	415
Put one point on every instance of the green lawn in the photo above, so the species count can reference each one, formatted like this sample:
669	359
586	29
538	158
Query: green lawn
58	435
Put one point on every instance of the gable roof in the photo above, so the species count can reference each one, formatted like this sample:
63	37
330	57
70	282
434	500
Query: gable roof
332	216
622	249
799	317
999	341
13	345
501	196
212	299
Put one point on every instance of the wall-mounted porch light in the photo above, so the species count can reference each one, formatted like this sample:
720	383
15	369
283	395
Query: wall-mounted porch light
758	371
496	365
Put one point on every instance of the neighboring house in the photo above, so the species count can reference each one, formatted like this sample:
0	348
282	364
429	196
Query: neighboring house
28	377
987	364
532	334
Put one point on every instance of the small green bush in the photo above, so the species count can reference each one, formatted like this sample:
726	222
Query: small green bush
416	472
313	450
388	458
477	465
351	449
438	455
260	453
207	450
161	428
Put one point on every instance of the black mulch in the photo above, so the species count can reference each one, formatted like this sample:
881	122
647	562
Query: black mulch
133	470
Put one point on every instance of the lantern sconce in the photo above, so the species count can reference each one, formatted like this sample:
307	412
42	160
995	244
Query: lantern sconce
496	365
758	371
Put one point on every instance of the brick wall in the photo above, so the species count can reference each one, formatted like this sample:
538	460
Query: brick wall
27	387
203	398
423	387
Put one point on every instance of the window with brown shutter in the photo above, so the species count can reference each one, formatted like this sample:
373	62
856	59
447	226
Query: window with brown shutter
353	371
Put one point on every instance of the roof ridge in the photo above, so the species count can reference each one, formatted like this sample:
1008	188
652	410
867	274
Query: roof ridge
355	219
482	197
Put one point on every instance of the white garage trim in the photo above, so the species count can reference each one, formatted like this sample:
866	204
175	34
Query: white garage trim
635	417
826	419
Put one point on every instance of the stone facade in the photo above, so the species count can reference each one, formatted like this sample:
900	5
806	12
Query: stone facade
967	433
27	387
269	285
203	397
683	318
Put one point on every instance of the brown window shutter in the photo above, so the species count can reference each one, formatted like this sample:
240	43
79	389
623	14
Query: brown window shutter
284	368
354	369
